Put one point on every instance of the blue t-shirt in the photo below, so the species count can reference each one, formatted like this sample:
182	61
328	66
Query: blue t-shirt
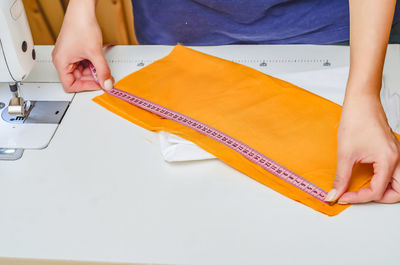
215	22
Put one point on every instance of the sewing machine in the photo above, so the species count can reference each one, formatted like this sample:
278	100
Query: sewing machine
30	113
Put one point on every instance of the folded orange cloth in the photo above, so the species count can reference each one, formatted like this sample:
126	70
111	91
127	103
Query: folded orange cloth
282	121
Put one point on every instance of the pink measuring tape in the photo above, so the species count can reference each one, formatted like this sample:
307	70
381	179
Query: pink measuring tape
243	149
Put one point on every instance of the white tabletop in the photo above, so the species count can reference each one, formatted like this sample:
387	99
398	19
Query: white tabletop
102	192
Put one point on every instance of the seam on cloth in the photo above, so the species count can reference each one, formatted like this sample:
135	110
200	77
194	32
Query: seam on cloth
263	176
153	122
196	137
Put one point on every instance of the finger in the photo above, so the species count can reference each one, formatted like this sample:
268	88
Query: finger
82	82
379	183
85	74
343	174
103	71
65	73
392	194
84	85
77	73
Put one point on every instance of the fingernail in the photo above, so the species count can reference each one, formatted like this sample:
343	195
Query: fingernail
343	202
331	195
108	84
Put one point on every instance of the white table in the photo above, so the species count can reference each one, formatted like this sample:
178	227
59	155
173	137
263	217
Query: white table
86	197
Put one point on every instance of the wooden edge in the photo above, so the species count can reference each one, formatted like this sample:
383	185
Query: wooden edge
39	27
127	7
53	12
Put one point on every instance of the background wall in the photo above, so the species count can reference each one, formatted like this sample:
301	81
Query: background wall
115	18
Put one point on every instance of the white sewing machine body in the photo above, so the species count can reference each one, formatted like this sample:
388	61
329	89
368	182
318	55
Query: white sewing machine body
30	122
17	49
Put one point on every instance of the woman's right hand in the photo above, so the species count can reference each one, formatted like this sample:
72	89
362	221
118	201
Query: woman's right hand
80	39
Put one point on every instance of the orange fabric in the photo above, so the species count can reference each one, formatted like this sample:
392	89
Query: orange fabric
286	123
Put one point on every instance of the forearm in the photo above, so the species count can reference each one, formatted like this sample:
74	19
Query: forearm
82	8
91	2
81	39
370	25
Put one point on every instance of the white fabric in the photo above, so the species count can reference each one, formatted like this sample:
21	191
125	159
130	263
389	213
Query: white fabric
329	83
175	149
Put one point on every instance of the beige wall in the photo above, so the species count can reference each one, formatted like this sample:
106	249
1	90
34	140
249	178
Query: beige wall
115	18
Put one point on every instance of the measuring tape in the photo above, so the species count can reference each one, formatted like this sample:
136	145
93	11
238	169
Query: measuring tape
236	145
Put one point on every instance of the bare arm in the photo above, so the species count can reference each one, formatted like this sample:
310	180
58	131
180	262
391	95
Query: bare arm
364	135
370	24
81	39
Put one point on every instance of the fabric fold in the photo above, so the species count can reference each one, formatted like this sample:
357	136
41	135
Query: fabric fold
288	124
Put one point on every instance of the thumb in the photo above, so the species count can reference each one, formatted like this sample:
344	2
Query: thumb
343	174
106	81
